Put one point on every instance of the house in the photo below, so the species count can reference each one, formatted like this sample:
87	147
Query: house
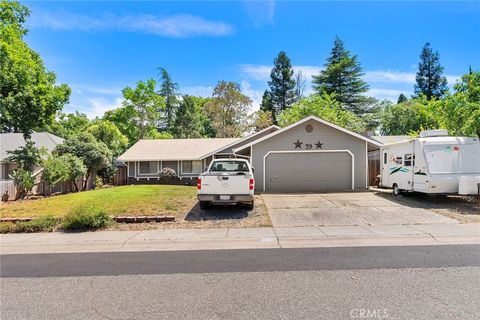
13	141
309	155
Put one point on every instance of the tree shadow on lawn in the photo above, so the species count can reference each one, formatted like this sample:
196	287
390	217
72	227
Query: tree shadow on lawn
217	212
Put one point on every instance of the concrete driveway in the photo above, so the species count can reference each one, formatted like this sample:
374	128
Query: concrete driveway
345	209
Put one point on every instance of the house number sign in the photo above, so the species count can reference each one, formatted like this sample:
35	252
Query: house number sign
308	146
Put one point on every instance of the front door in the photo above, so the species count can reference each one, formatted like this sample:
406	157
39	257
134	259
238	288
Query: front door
385	173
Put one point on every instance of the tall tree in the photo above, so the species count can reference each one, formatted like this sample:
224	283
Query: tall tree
282	83
108	133
228	110
187	122
29	95
168	90
68	124
342	75
402	98
430	79
300	84
267	105
142	110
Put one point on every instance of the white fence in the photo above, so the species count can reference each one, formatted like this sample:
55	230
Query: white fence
7	186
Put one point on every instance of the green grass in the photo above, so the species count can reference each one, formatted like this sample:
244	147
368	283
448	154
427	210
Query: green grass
124	200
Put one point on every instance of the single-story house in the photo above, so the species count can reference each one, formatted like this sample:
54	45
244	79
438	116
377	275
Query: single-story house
309	155
13	141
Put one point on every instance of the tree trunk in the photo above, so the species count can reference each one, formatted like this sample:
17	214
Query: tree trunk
75	184
85	183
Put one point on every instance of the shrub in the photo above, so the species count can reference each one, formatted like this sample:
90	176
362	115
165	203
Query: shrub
168	172
86	217
43	223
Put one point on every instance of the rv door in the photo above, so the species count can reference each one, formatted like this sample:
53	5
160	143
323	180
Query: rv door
384	173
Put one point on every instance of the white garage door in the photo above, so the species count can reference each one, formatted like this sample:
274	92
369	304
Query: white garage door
308	171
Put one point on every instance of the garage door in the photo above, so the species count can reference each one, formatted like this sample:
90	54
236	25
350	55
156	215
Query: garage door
308	171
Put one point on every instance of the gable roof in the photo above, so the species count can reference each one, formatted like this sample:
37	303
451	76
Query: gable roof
174	149
359	136
12	141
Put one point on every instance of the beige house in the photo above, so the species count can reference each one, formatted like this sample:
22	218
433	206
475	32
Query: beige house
309	155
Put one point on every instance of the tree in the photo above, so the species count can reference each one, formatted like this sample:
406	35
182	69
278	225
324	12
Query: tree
68	124
429	78
94	154
263	120
187	122
76	168
139	115
267	106
342	75
460	112
402	98
228	110
24	181
29	96
300	84
410	117
324	106
26	157
168	90
282	83
106	132
55	170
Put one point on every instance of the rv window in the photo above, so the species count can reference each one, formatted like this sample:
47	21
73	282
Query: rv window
408	160
398	160
385	158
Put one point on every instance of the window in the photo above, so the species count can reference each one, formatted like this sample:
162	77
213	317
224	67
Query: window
385	158
131	169
229	166
398	160
194	166
147	167
407	160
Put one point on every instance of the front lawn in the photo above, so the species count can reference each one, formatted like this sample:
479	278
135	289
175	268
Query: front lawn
124	200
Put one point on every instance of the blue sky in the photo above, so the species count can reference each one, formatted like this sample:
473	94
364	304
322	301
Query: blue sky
98	48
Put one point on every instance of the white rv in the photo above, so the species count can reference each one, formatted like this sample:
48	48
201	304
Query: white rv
433	163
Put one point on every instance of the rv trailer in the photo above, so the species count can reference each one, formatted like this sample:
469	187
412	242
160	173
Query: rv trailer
434	163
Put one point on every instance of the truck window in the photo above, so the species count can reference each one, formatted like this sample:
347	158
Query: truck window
229	166
407	161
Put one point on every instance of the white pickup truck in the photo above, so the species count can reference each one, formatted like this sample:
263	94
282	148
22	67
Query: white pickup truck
226	181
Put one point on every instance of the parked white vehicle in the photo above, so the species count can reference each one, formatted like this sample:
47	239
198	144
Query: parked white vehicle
433	163
226	181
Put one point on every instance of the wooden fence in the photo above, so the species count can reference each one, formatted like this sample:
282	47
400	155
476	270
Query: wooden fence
7	186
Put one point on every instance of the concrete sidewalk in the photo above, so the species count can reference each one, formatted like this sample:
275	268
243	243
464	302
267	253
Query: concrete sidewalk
232	238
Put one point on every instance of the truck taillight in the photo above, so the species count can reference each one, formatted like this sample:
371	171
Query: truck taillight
199	184
251	184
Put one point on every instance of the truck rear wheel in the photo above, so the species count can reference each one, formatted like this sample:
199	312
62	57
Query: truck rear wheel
396	190
204	205
250	205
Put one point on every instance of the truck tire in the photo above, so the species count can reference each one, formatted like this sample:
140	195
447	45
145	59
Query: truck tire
250	205
396	190
204	205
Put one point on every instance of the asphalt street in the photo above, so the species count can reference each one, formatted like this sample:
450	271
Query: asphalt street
420	282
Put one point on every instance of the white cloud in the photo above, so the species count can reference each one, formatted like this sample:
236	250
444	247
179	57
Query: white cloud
387	76
260	12
179	25
109	91
202	91
255	95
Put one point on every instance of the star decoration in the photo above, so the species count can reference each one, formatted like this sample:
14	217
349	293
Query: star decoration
319	145
298	144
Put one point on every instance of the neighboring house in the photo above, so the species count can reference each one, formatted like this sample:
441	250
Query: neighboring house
13	141
309	155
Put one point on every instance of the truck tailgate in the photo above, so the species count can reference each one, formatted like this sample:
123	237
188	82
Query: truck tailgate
225	184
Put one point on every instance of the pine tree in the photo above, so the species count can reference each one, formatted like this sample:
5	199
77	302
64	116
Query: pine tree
402	98
430	79
342	77
282	83
188	122
168	90
267	105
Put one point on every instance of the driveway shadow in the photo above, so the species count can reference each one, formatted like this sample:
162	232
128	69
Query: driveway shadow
217	213
457	204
